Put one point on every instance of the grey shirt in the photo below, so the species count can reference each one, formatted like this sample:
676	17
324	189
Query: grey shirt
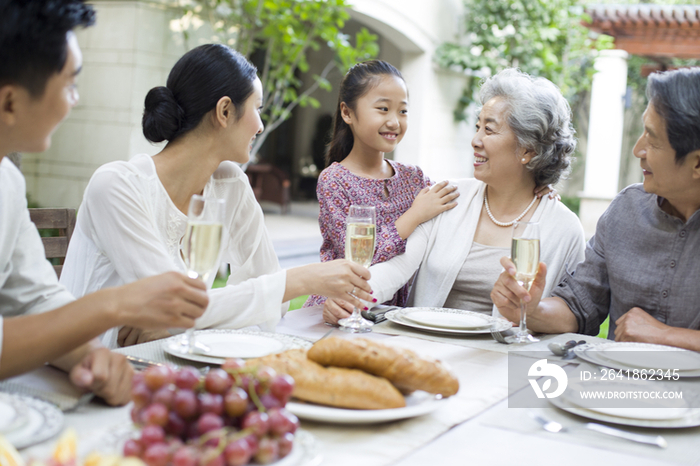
640	256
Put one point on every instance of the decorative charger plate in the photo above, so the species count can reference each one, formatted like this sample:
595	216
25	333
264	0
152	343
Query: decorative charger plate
417	404
230	343
43	422
497	323
627	355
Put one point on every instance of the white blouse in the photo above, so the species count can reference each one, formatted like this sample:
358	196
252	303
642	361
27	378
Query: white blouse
128	228
438	248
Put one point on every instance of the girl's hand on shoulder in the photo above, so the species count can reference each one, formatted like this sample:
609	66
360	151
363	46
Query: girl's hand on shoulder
433	201
548	190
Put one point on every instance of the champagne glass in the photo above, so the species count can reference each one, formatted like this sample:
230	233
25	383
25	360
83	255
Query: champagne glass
525	254
201	247
359	248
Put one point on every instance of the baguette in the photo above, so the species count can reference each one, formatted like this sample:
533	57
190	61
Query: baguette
402	367
343	388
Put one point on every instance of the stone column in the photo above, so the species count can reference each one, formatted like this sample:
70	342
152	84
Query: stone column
604	137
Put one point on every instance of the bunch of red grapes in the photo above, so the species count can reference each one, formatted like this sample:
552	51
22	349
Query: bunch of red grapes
232	416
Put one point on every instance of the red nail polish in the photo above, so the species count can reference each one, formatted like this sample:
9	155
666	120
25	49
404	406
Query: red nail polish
374	300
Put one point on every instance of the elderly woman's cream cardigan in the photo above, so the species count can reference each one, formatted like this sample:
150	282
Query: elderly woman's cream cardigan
438	248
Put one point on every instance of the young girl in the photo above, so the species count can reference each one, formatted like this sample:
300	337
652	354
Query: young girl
370	120
133	215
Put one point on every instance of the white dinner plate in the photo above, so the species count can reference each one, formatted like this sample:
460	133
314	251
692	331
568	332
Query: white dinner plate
43	422
654	357
442	318
497	323
628	355
417	404
230	343
691	419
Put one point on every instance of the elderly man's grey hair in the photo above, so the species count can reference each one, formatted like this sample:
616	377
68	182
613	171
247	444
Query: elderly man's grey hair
540	117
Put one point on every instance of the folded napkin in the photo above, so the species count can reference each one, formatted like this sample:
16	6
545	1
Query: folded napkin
49	384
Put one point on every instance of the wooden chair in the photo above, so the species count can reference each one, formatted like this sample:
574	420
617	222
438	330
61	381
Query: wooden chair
63	220
270	184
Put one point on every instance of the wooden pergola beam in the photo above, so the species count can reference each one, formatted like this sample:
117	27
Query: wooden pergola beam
651	30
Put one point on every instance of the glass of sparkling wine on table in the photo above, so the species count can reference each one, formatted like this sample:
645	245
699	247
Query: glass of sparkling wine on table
359	248
525	254
201	247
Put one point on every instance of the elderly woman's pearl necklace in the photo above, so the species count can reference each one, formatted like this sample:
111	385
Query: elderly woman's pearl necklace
501	224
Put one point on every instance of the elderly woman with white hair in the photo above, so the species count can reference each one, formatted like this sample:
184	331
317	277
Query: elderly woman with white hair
523	141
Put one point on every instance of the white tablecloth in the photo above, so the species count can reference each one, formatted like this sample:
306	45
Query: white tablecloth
458	433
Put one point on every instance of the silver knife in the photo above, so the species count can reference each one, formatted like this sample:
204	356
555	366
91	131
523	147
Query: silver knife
657	440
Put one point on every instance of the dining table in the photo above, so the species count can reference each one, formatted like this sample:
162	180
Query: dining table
474	427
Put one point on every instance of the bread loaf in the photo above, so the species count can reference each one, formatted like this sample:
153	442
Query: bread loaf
344	388
404	368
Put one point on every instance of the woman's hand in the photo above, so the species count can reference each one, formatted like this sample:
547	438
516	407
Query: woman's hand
429	203
334	310
507	292
129	336
339	279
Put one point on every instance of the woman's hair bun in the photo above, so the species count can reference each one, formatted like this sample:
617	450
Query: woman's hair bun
162	116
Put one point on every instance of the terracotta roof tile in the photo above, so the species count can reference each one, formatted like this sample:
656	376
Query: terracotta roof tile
658	15
660	30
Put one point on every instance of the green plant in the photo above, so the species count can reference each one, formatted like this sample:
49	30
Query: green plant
541	37
297	303
572	202
603	331
276	36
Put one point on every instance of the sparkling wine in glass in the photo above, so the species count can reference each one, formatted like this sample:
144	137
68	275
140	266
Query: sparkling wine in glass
525	254
359	248
201	247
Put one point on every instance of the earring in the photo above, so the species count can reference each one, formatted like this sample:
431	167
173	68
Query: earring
523	160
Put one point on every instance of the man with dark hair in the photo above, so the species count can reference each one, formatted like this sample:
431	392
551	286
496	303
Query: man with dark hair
642	265
39	62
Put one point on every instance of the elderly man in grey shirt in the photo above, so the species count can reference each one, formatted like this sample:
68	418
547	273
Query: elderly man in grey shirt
642	266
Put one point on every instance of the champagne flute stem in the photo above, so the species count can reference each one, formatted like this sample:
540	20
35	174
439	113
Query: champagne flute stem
189	339
523	319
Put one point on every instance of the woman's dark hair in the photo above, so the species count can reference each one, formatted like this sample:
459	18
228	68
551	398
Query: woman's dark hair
196	83
33	44
676	98
356	83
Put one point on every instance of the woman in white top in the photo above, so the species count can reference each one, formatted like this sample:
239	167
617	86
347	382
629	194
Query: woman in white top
133	215
523	141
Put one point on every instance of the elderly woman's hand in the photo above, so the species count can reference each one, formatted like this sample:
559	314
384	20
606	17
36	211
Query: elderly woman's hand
507	292
334	310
